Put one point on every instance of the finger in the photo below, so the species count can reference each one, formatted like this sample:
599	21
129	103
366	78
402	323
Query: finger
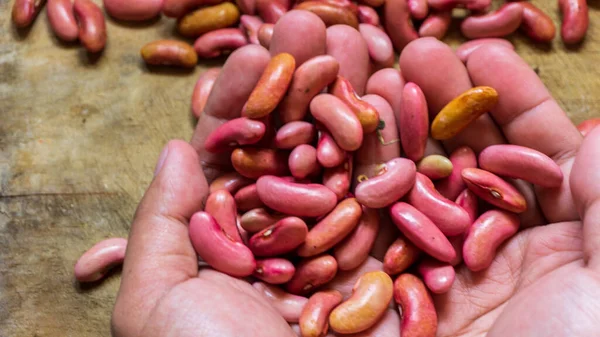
529	117
159	252
226	100
586	193
440	74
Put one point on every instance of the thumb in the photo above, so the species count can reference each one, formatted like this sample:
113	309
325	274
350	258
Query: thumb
585	187
159	252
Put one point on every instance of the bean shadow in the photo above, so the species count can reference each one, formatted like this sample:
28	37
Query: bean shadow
86	287
134	24
88	58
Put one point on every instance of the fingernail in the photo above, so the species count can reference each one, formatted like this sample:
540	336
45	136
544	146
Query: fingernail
161	160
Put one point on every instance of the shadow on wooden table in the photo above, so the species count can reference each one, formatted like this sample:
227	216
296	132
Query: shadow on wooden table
87	287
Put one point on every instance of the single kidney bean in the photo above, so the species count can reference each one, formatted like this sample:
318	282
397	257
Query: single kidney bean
338	179
25	11
207	19
365	112
421	231
254	163
217	249
220	41
270	11
285	36
274	270
438	276
355	248
332	229
233	133
419	317
92	28
221	205
257	219
368	15
312	273
295	133
349	48
289	306
308	80
282	237
271	87
389	84
133	10
397	178
457	242
494	190
575	20
398	23
251	25
461	158
413	121
303	161
537	24
202	90
62	19
98	260
474	5
435	166
314	319
436	25
469	202
247	198
370	298
418	9
347	4
520	162
502	22
586	126
450	218
339	120
400	255
231	182
265	33
329	153
330	13
488	232
310	200
463	110
169	52
178	8
464	50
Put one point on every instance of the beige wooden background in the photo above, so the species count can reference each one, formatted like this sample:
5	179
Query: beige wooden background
79	138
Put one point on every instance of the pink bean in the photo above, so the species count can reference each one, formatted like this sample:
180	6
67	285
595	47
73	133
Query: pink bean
178	8
450	218
400	255
269	10
220	41
338	179
466	49
349	48
418	9
303	161
368	15
381	50
282	237
289	306
397	178
92	27
238	131
520	162
329	154
494	190
25	11
469	202
398	23
474	5
414	122
436	25
502	22
265	33
388	83
488	232
421	231
462	158
62	19
355	248
285	36
98	260
575	20
314	320
274	270
202	90
258	219
231	182
251	26
221	206
133	10
247	198
312	273
293	134
217	249
339	120
438	276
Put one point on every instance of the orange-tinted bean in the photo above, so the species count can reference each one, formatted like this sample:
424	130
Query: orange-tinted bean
314	320
413	121
400	255
231	182
295	133
586	126
438	276
365	112
62	19
312	273
398	23
461	158
282	237
338	179
575	20
92	27
218	42
274	270
339	120
169	52
221	205
330	13
494	190
303	161
25	11
206	19
254	163
419	318
257	219
355	248
265	33
536	24
178	8
329	153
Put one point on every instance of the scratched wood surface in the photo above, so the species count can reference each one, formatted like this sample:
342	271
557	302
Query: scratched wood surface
79	138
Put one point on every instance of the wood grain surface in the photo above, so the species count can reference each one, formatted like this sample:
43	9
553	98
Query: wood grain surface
79	138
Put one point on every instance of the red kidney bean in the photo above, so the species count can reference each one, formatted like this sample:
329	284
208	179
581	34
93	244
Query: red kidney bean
314	320
355	248
365	112
312	273
397	179
289	306
339	120
331	14
329	154
381	50
586	126
400	255
436	25
274	270
368	15
419	317
270	11
469	202
133	10
231	182
98	260
169	53
309	79
217	42
338	179
537	24
265	33
92	28
217	249
303	161
469	47
575	20
251	25
474	5
351	51
461	158
221	206
178	8
62	19
421	231
494	190
398	23
25	11
285	35
438	276
295	133
502	22
413	121
235	132
418	9
488	232
282	237
258	219
247	198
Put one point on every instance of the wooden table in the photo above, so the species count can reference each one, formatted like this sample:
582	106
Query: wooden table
79	139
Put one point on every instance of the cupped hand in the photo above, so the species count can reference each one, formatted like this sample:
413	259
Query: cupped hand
544	281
